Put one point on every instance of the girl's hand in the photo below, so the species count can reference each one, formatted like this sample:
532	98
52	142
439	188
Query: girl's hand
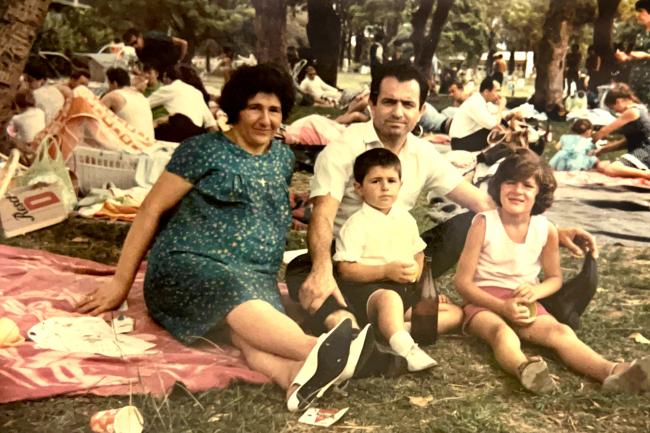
402	272
526	292
443	299
516	313
107	297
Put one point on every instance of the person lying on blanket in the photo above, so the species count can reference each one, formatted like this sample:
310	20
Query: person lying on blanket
634	123
217	218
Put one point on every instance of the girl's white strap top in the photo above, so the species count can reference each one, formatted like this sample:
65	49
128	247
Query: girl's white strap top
507	264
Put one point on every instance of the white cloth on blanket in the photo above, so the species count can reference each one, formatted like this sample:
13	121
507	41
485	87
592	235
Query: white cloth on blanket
94	201
597	116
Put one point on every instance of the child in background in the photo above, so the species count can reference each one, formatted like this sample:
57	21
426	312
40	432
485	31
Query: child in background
574	149
379	255
497	275
29	121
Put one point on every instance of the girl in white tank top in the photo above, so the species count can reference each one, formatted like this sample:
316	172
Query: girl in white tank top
497	275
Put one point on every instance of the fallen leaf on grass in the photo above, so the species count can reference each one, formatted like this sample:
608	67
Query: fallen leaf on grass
80	239
639	338
421	401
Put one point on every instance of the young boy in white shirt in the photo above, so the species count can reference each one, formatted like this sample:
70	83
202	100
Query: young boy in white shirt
379	255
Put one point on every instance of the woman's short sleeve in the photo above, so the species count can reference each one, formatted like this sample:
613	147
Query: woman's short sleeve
191	159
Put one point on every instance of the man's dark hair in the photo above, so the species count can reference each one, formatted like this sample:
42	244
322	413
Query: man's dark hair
402	72
80	73
378	157
581	126
642	4
487	84
36	70
130	33
119	76
457	83
519	166
248	81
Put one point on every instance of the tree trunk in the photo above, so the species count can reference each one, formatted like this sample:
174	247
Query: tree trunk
549	59
423	59
603	36
324	34
271	31
419	21
21	20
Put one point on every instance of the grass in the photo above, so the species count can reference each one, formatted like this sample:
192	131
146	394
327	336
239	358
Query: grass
468	392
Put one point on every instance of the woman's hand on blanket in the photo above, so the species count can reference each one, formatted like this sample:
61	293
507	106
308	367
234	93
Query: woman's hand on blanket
106	298
578	241
526	292
515	311
402	272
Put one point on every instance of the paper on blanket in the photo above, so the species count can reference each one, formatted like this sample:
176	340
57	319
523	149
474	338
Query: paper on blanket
86	335
322	417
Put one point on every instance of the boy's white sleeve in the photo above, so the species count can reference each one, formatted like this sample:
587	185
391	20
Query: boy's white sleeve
417	242
350	241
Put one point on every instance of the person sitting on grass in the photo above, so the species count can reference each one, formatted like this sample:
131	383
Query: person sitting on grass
323	93
574	149
634	123
379	255
216	221
497	275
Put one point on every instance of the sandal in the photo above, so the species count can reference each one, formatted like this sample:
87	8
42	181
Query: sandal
323	366
635	379
534	376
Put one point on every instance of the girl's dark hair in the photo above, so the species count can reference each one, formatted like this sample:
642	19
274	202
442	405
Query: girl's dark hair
248	81
581	126
519	166
378	157
618	91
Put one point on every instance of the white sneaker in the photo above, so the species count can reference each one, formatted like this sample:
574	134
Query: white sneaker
418	360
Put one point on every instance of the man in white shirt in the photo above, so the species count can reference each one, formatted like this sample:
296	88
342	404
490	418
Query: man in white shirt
189	115
397	96
322	92
473	120
128	103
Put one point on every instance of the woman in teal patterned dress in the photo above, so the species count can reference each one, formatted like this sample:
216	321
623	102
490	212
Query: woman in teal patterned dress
218	218
639	79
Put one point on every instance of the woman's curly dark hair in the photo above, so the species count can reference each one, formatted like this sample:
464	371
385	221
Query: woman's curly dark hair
248	81
519	166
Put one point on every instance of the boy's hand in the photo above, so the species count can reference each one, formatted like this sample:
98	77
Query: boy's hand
527	292
515	312
402	272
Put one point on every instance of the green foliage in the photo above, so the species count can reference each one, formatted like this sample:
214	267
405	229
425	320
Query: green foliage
74	29
229	22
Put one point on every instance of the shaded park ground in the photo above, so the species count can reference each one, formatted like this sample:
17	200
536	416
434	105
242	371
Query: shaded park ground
466	392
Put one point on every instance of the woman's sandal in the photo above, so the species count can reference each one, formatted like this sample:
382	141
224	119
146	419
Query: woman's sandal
534	376
634	379
322	367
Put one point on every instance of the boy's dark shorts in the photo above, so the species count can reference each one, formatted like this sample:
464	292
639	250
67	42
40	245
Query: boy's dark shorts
357	295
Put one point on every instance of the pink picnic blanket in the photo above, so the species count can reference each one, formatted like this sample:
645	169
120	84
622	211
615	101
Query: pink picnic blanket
37	285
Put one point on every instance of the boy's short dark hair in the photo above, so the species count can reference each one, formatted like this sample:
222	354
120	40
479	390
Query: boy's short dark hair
36	70
581	126
520	165
119	76
402	72
248	81
378	157
24	99
642	4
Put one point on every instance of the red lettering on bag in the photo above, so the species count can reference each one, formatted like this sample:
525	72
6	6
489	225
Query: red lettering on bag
43	199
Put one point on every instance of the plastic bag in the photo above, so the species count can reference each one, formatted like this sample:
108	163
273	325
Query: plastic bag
48	169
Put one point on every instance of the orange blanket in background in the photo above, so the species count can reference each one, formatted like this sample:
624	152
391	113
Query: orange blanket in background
85	120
